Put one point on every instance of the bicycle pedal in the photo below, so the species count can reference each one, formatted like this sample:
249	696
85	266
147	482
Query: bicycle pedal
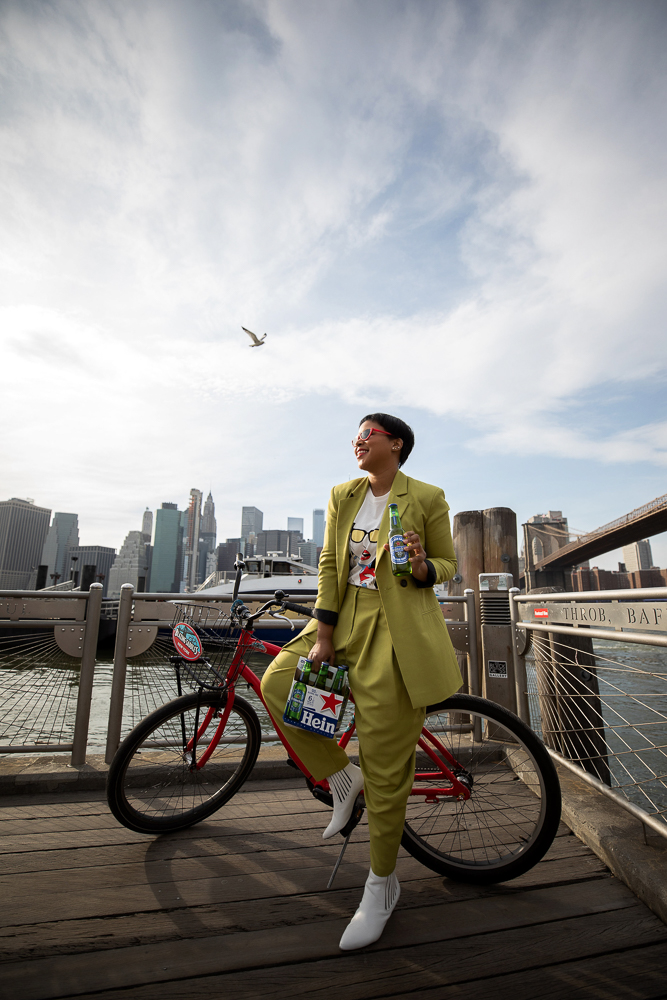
357	813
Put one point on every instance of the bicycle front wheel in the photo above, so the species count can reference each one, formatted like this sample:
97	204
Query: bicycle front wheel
511	818
153	786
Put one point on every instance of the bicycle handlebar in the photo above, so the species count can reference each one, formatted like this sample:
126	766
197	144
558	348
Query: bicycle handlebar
279	600
300	609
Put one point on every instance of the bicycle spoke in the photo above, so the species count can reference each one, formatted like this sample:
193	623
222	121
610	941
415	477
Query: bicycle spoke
502	823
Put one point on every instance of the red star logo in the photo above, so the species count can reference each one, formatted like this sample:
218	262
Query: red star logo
330	702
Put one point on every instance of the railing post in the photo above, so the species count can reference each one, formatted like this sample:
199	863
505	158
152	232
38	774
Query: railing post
473	657
471	618
119	671
86	675
520	680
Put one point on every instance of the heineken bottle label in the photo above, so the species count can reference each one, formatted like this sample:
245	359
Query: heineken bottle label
398	550
316	709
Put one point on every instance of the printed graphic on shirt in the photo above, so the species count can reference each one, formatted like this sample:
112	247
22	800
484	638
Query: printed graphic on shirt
364	539
363	550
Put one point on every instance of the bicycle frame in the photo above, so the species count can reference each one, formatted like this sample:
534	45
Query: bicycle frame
427	742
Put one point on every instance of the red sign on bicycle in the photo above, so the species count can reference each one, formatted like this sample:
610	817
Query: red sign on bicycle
186	641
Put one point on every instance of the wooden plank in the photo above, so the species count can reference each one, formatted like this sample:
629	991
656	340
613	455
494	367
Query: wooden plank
638	974
242	804
410	954
124	929
220	825
233	812
21	892
163	849
86	899
114	835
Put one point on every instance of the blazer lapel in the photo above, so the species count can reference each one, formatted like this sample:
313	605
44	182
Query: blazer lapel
399	495
348	508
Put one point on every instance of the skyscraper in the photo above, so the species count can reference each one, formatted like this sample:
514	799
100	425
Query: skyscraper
167	564
23	529
308	552
190	569
129	565
318	527
86	564
285	542
295	524
208	522
62	535
147	525
207	539
252	520
638	555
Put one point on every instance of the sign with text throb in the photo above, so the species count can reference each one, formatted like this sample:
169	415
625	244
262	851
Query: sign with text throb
647	616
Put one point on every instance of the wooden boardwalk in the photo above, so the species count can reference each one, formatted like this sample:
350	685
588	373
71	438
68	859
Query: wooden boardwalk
236	908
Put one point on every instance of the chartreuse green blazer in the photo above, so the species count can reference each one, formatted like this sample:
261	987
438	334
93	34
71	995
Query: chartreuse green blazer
423	649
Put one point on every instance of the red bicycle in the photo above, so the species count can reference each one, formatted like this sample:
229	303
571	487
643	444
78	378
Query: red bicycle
484	807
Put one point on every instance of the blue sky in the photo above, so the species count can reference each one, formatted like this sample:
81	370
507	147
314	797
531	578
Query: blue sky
454	211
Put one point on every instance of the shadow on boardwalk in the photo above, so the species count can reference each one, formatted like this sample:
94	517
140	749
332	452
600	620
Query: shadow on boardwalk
236	908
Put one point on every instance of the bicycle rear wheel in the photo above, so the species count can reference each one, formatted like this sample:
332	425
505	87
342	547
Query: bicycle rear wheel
152	786
511	818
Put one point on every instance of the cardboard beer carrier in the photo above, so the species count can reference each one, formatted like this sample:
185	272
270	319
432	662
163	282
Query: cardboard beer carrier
316	701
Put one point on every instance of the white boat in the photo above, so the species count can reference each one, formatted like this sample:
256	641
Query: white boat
266	574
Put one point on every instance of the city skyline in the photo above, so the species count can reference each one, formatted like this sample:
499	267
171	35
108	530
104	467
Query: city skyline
452	211
610	561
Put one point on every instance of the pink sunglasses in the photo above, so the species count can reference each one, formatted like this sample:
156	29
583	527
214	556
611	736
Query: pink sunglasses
366	433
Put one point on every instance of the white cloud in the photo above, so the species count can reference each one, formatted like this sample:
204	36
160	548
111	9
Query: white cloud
168	175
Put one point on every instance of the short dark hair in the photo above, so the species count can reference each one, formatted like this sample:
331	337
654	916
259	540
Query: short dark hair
397	428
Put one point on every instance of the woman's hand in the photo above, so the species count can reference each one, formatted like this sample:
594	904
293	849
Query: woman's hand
323	650
416	555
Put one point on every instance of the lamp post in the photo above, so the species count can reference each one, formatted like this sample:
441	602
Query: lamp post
72	572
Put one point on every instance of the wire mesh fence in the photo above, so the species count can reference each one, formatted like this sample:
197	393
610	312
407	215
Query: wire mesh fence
603	705
151	680
39	686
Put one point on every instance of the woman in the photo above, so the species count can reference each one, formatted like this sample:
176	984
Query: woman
391	634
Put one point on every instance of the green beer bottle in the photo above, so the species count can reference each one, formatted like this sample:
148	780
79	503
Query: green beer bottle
400	562
295	704
321	680
305	671
340	683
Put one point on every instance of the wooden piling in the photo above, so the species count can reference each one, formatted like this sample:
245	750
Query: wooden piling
468	538
499	538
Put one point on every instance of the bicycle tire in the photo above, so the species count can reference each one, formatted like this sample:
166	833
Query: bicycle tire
151	787
511	818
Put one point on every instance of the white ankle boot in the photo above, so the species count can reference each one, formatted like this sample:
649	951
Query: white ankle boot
345	785
377	905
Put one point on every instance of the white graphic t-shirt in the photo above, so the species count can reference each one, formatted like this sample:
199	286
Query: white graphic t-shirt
363	541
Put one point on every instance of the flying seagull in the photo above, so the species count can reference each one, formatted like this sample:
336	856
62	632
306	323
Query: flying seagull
256	342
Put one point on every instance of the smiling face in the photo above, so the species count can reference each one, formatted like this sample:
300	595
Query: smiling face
377	453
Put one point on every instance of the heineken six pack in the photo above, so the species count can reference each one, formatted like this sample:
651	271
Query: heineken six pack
317	699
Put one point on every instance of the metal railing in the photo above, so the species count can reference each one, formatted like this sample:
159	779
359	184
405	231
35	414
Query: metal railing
47	664
595	688
143	678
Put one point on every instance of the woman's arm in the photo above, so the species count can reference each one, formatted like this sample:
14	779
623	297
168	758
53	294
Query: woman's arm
437	543
326	605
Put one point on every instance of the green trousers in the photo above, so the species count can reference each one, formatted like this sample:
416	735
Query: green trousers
387	725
